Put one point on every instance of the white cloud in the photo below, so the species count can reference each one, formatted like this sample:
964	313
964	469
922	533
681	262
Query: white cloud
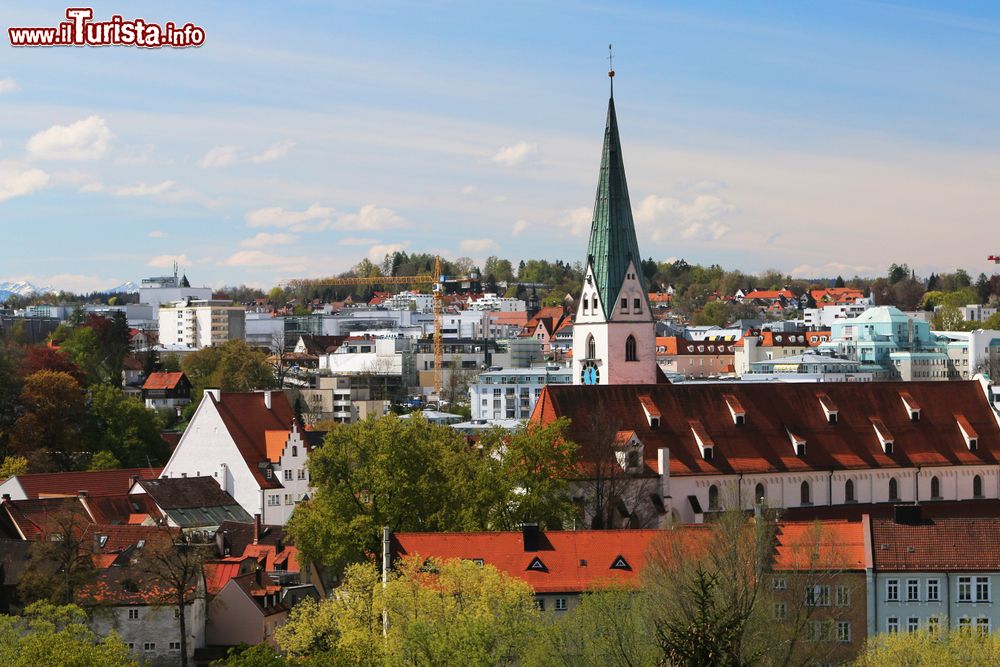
78	283
314	218
264	240
143	190
273	152
511	156
371	217
157	234
354	240
519	227
377	252
17	181
477	246
167	261
220	156
86	139
697	220
258	259
9	85
832	269
576	221
93	186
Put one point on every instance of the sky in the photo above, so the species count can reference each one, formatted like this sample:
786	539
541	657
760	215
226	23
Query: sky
818	138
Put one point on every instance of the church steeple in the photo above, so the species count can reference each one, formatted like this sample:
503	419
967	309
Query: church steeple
614	336
612	231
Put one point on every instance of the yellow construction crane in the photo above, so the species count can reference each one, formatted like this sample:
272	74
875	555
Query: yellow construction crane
437	286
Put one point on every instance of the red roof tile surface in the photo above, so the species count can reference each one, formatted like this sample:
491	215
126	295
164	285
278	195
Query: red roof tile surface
953	544
761	443
163	380
573	561
248	420
94	482
827	545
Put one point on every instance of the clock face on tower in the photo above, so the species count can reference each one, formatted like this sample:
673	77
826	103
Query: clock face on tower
589	374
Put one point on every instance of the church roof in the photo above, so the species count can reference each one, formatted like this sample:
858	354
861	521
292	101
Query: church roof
612	232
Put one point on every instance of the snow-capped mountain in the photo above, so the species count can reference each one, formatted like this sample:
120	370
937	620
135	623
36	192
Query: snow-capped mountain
21	288
127	287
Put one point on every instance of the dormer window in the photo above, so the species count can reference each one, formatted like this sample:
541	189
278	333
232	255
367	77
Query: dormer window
912	407
884	436
652	412
969	434
736	410
705	443
798	443
829	408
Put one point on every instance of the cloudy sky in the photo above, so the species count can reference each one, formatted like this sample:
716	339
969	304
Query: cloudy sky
817	138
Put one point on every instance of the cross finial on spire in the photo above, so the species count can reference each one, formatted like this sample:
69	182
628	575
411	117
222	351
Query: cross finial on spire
611	69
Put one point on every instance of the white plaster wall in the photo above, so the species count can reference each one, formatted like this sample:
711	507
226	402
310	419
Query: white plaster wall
204	447
296	488
157	624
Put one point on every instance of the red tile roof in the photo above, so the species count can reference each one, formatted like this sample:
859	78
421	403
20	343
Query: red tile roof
814	545
120	508
958	543
248	420
32	518
773	411
163	380
218	572
94	482
572	561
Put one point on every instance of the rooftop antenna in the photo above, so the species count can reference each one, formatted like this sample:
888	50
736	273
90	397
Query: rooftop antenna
611	69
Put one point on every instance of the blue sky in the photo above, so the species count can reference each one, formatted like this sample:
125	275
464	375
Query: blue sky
814	137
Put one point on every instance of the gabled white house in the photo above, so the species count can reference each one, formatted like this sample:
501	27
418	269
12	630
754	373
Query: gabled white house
252	444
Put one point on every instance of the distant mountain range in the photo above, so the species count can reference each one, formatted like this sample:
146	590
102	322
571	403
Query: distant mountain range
25	288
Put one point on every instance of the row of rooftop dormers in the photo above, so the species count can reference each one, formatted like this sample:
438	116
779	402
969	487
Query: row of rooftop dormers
746	428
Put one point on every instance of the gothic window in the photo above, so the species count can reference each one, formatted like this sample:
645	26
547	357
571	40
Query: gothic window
713	498
630	349
637	305
595	304
977	487
935	487
759	494
805	498
849	491
591	348
893	489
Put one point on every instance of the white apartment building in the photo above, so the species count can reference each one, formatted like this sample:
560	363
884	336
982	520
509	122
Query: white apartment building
492	302
825	317
977	312
167	289
341	399
199	324
423	303
511	393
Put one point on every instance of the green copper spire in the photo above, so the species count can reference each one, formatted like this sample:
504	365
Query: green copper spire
612	232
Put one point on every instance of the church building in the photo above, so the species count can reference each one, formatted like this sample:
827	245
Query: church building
614	337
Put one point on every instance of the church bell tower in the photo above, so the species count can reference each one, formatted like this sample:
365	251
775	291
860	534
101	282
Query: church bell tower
614	336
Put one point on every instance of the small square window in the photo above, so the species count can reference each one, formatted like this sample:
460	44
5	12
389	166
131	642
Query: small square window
133	614
149	646
540	604
560	604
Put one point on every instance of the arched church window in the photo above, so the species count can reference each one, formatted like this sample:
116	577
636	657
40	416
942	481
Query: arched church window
591	348
630	349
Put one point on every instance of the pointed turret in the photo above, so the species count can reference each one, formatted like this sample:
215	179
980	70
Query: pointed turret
612	232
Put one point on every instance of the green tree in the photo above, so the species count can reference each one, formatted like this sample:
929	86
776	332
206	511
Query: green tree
61	562
839	282
608	627
924	649
13	465
232	366
897	272
48	431
715	313
10	389
170	363
51	635
947	318
125	428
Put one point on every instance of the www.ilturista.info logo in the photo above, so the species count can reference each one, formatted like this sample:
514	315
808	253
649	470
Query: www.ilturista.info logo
80	30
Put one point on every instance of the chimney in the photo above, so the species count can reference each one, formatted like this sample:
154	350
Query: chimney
256	528
5	497
907	514
532	536
215	394
267	399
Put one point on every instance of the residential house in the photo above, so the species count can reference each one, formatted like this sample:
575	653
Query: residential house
191	503
511	393
558	565
247	610
227	439
170	391
92	482
679	356
769	345
343	399
933	573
